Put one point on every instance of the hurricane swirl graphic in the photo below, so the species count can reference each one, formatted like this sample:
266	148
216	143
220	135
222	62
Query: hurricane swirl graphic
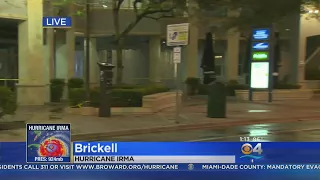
56	145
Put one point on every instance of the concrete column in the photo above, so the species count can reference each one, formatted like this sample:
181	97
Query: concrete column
192	52
61	55
49	50
71	43
65	53
154	58
300	63
298	50
94	58
33	74
65	56
232	60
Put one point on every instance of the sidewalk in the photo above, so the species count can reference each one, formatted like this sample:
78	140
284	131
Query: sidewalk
191	117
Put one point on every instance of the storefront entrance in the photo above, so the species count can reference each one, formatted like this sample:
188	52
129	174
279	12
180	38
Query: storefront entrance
8	52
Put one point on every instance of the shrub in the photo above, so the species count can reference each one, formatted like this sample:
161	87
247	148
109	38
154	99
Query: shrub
119	97
95	97
126	86
203	89
192	85
312	73
75	83
8	101
56	89
154	88
76	96
287	86
127	97
233	85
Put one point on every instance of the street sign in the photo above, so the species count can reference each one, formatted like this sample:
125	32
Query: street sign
261	34
260	45
259	75
178	34
177	55
260	56
261	62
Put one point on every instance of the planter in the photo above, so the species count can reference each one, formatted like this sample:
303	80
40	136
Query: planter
10	125
285	94
151	104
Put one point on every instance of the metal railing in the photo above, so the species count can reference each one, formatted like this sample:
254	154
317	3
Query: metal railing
312	55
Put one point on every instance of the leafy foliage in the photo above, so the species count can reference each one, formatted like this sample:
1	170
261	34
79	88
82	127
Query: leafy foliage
250	13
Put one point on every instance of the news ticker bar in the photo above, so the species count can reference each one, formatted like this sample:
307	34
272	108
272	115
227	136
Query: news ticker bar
158	167
154	159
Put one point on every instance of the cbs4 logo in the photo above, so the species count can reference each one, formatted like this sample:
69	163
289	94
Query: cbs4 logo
248	149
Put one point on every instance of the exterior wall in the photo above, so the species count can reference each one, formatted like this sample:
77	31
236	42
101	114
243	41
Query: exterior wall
34	77
106	27
14	9
35	66
308	27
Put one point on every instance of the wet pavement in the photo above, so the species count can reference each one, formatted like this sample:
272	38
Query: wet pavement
299	131
285	114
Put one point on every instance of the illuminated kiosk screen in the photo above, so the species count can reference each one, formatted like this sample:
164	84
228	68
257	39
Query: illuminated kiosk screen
260	56
259	75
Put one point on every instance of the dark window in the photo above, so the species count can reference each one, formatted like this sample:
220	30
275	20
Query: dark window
44	36
218	70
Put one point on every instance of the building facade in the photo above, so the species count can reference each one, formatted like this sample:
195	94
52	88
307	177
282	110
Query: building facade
38	54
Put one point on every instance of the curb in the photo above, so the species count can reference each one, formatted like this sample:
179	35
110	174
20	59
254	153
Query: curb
185	127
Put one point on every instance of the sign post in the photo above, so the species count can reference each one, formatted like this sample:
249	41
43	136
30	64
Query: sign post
261	62
177	36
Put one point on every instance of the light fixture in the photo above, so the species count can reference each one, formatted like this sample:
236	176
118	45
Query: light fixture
313	11
287	29
104	6
163	42
259	132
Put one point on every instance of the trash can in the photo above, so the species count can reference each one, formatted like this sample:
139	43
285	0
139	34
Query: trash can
217	101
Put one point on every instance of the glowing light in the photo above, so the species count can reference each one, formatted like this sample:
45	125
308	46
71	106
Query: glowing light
259	132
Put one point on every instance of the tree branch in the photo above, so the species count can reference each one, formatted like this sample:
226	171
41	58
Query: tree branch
119	4
146	13
149	12
135	6
159	17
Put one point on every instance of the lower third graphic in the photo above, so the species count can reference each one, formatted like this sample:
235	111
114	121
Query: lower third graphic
48	142
251	152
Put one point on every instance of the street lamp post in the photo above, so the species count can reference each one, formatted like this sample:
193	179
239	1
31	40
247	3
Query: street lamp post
87	52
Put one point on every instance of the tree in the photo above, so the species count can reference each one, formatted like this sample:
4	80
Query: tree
152	9
252	13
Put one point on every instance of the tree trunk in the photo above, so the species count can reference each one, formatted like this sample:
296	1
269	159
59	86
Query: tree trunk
119	61
87	53
119	41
